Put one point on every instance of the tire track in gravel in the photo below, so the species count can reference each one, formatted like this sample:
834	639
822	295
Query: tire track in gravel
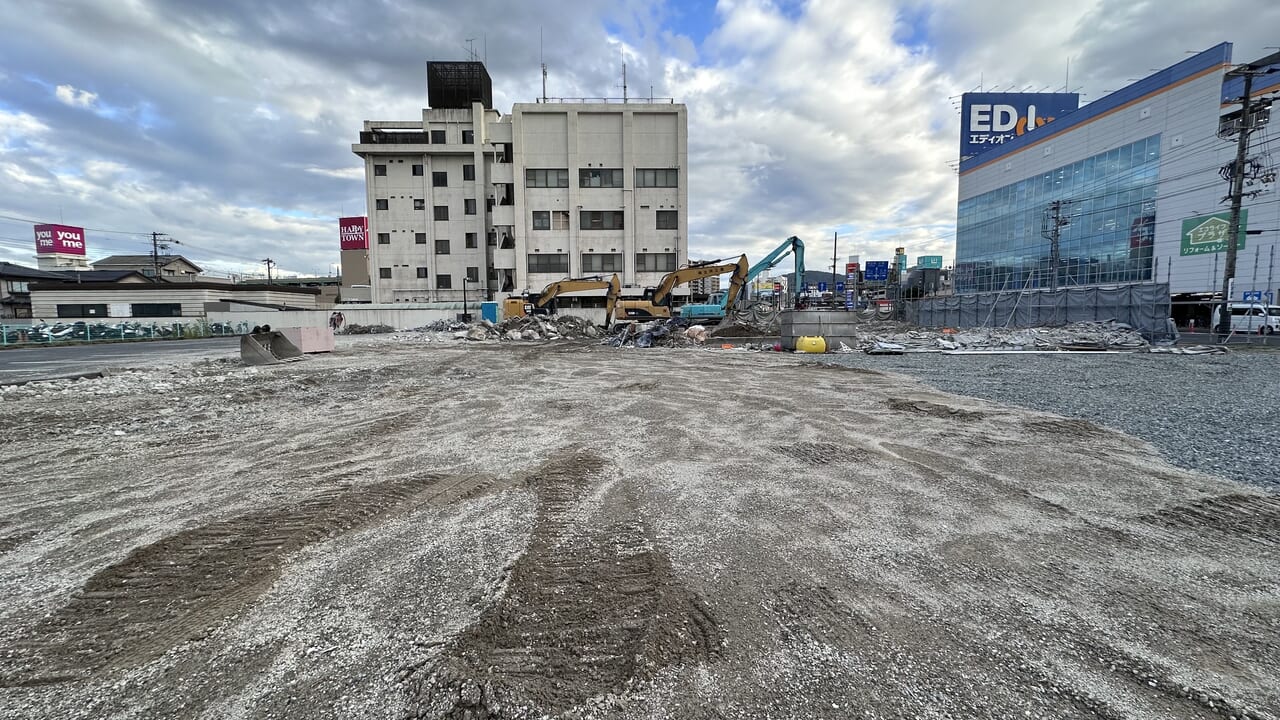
590	607
179	588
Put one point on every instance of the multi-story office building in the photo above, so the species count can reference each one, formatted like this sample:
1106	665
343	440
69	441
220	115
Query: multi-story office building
468	200
1132	180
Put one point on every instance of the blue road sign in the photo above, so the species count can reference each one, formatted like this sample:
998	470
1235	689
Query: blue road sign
822	287
839	288
1253	296
877	271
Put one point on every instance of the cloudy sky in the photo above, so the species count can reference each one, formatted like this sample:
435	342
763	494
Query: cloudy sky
228	125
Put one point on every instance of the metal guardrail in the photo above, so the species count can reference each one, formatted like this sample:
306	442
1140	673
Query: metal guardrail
82	331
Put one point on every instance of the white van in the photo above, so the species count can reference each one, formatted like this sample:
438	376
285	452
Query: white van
1255	318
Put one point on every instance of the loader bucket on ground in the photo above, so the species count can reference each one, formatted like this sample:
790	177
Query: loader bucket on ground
267	348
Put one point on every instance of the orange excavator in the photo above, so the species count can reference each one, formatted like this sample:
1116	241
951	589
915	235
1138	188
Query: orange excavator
656	301
544	303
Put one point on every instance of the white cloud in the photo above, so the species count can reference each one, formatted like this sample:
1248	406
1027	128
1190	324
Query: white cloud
75	98
18	126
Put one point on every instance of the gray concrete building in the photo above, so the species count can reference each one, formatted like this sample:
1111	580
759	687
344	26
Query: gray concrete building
468	200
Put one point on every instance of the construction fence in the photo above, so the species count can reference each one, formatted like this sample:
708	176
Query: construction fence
1144	306
82	331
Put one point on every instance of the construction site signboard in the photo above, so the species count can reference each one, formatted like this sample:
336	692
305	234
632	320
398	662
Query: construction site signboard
1207	234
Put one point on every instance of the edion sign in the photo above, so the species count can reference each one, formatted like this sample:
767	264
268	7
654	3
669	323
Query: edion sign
354	232
989	119
59	239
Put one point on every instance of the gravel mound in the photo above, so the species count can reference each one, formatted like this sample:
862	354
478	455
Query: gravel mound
1217	414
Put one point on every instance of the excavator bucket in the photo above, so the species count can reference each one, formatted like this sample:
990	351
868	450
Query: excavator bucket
268	348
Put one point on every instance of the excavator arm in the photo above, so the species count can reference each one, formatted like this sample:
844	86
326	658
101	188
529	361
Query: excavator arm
672	280
598	282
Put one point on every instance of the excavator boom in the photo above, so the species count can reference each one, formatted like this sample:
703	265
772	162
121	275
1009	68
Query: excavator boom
544	302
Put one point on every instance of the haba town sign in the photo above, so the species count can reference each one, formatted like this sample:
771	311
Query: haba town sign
1207	234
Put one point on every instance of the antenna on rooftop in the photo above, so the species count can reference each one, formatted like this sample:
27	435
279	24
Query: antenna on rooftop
544	66
471	49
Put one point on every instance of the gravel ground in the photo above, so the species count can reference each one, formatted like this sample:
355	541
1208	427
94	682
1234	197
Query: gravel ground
1219	414
417	527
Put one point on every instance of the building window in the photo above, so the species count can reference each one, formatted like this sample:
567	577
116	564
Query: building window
142	310
417	170
601	262
655	262
384	273
666	178
600	178
437	137
549	263
541	219
419	204
469	206
508	242
442	212
419	238
82	311
559	219
380	204
439	179
384	238
472	240
422	273
473	274
546	178
468	137
468	172
668	220
444	282
379	170
17	286
600	220
442	246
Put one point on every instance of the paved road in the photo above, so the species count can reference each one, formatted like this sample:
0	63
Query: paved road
57	360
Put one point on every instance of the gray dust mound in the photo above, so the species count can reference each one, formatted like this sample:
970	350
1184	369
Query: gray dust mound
179	588
590	608
932	408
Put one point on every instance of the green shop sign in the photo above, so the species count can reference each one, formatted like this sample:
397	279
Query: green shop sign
1208	233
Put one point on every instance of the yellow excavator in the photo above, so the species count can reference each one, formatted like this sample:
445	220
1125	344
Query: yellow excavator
544	303
656	301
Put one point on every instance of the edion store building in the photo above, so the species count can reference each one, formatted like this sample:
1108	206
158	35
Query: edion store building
1134	180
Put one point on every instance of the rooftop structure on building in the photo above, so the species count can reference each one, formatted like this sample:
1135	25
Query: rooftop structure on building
467	200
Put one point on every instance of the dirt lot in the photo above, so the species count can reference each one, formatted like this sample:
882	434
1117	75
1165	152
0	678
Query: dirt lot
511	531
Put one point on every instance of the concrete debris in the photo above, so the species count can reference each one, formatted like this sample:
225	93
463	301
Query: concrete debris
697	333
1108	335
1192	350
357	329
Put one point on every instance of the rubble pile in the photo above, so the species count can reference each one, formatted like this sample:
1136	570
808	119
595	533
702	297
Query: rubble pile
531	327
1108	335
357	329
669	333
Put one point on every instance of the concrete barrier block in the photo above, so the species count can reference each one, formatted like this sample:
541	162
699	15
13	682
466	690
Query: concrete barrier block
309	339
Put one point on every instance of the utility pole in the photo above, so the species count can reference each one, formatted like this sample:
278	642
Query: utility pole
835	254
270	264
1239	171
156	246
1051	229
